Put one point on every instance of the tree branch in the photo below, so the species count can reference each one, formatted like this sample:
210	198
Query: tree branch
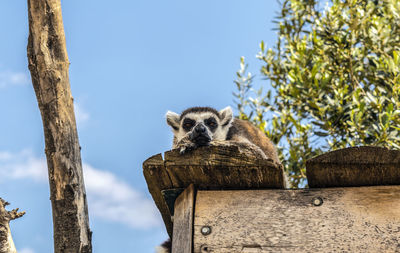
6	241
48	64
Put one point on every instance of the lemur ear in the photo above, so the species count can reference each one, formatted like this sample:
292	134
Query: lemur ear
226	116
172	120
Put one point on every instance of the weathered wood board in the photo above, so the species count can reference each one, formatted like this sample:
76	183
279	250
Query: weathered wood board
364	219
222	167
182	242
157	179
356	166
214	167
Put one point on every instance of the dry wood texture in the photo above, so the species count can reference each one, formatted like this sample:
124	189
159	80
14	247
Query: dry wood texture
364	219
48	63
157	179
215	167
6	241
182	241
357	166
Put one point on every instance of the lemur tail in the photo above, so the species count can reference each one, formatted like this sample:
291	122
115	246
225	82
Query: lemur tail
165	247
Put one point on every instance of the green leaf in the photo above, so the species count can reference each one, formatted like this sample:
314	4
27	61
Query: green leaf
323	134
390	108
262	46
332	80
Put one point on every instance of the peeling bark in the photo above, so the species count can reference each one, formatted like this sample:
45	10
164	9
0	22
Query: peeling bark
48	64
6	241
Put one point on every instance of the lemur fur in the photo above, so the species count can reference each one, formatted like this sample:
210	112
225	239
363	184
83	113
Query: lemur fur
202	126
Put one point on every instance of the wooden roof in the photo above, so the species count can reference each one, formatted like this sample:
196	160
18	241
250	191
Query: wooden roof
227	167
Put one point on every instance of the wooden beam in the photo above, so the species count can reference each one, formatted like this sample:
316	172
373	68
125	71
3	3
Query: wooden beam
222	167
356	166
215	167
183	222
157	180
360	219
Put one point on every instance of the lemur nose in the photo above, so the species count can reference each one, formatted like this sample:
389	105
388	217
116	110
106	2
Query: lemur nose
200	128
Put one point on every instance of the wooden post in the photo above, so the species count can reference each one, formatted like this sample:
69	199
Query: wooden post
48	64
6	241
182	240
352	219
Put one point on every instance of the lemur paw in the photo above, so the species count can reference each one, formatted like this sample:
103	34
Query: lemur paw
185	147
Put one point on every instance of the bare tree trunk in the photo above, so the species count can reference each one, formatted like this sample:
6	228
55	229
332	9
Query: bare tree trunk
6	241
48	63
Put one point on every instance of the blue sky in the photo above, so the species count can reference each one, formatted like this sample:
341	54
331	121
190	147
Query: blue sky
131	61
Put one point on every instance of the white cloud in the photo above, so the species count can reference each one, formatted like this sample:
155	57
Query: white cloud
109	198
5	156
22	165
112	199
81	115
8	77
26	250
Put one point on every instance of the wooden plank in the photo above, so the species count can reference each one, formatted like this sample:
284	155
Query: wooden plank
215	167
360	219
356	166
183	222
157	179
222	167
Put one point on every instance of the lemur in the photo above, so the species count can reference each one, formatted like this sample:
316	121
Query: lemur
203	126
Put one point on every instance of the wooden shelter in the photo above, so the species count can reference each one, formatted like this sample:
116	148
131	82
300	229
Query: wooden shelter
220	199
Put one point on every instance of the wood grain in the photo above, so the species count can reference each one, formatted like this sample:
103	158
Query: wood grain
48	64
222	167
183	222
157	180
364	219
215	167
356	166
6	240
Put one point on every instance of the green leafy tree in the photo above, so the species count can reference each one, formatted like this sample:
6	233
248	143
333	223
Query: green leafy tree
331	81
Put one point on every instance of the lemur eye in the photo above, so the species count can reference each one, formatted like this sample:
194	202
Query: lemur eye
211	122
188	124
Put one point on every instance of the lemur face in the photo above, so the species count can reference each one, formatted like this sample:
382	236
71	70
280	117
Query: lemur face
200	124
